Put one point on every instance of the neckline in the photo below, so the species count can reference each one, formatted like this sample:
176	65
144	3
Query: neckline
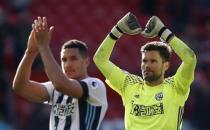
152	88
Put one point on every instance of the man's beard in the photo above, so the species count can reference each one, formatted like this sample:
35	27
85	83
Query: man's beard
152	78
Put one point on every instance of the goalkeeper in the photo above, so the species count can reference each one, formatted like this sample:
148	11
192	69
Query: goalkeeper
152	102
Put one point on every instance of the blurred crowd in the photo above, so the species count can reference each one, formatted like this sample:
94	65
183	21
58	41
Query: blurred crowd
188	19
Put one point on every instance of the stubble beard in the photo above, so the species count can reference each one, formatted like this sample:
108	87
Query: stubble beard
152	78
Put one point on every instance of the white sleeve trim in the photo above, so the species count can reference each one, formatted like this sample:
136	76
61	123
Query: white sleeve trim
50	88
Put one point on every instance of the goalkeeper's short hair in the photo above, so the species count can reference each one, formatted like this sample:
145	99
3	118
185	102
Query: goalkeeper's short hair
164	50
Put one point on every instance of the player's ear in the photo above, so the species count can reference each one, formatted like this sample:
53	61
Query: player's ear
166	65
87	61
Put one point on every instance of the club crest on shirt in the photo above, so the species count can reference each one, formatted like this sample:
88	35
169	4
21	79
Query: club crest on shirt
94	84
159	96
137	96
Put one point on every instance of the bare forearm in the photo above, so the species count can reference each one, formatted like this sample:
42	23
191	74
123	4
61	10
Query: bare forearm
23	72
52	68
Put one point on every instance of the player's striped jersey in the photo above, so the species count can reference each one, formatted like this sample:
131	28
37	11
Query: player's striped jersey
87	113
150	108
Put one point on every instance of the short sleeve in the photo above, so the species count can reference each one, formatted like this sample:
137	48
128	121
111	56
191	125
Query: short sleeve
50	89
95	91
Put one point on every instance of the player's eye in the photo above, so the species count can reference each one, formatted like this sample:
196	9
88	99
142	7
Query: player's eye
144	60
63	59
153	61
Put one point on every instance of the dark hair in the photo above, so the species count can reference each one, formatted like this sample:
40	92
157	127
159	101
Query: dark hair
164	50
83	49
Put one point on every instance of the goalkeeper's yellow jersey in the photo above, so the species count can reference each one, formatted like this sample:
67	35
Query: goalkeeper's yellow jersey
149	108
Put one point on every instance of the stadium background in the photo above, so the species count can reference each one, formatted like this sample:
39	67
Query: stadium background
91	21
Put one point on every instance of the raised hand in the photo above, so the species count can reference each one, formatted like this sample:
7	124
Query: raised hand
31	46
42	32
128	25
155	27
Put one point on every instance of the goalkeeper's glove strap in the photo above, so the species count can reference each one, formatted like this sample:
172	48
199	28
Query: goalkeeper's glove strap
113	36
119	29
161	31
169	37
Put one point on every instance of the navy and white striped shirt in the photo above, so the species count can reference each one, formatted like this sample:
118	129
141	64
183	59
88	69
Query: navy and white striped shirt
70	113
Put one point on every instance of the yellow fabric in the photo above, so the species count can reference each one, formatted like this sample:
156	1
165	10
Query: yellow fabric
150	108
